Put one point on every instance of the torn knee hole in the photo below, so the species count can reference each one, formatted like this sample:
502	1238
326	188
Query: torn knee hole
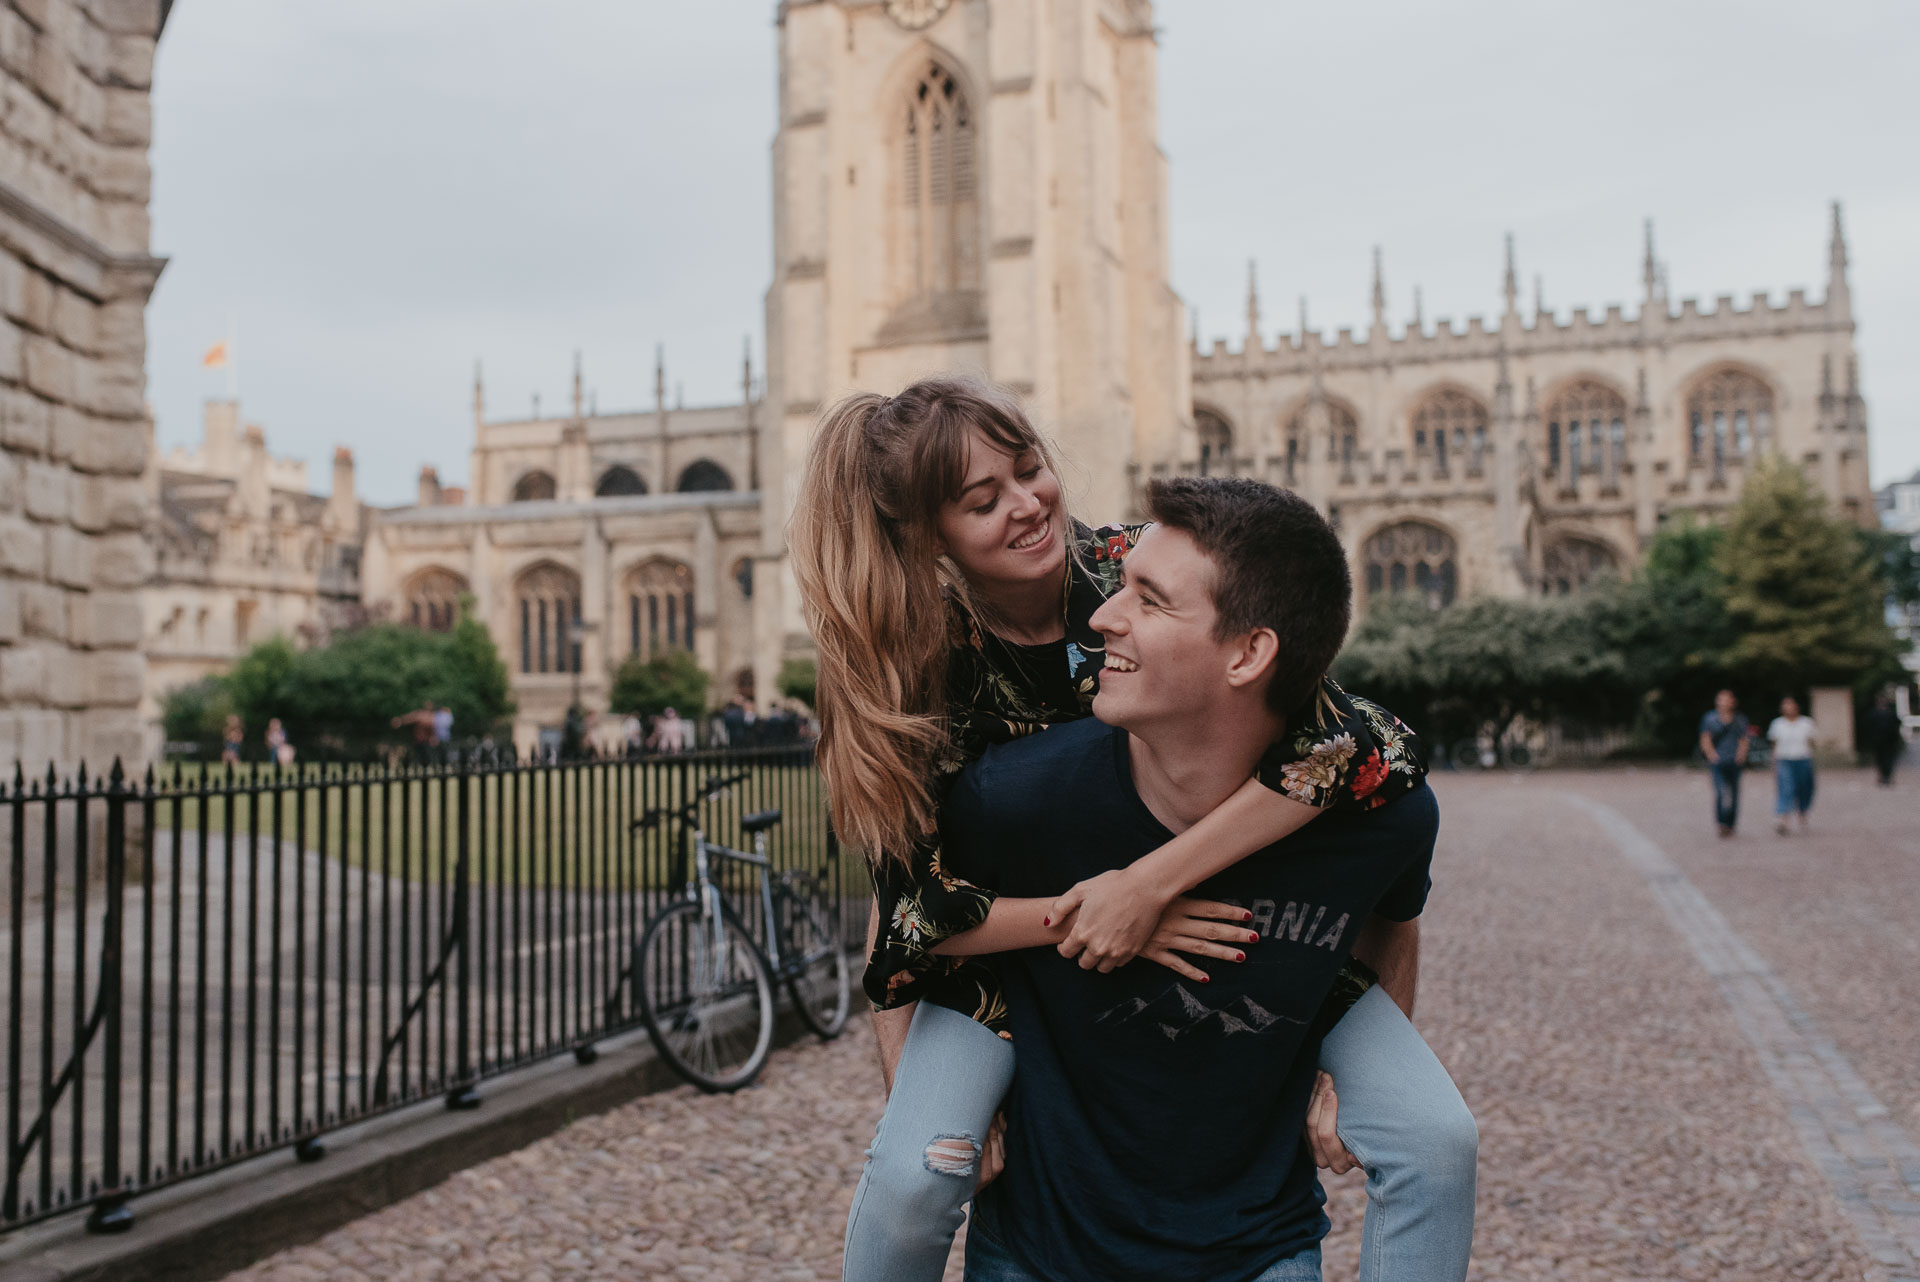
952	1155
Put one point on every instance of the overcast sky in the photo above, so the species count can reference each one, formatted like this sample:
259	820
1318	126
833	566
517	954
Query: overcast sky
373	194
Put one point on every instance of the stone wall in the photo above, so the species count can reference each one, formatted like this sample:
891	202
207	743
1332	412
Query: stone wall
75	122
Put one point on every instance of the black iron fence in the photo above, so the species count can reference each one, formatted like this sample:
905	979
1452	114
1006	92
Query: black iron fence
211	964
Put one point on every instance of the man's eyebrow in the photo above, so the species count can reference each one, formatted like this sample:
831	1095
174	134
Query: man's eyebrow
1142	583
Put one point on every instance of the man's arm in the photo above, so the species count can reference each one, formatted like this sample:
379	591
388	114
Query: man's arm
1706	747
1392	948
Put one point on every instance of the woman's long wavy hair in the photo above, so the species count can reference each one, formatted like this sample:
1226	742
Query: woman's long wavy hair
874	582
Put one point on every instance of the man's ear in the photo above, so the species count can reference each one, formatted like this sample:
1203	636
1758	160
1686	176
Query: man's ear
1253	657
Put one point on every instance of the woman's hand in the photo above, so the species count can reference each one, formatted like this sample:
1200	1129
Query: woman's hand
1112	918
1199	928
993	1154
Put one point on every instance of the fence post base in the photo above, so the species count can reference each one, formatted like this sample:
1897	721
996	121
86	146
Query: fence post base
462	1097
309	1150
585	1053
110	1215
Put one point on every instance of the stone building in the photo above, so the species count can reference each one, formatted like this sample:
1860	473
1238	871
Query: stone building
241	552
1528	453
586	538
977	185
75	275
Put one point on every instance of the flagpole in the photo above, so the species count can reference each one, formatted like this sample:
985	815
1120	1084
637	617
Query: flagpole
233	360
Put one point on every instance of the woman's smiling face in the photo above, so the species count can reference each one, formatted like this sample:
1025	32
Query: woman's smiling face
1006	527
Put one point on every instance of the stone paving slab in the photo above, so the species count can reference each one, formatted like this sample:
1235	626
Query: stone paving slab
1628	1128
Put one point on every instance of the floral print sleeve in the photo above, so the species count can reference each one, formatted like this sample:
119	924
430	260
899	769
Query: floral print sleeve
1344	751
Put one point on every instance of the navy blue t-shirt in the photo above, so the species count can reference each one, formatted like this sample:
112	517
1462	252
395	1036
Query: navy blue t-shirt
1154	1124
1725	735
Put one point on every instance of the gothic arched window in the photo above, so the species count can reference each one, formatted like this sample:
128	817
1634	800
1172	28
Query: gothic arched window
1412	556
1586	430
1448	421
619	479
1729	415
1343	433
938	248
1216	443
704	474
548	600
533	487
1572	563
659	608
433	599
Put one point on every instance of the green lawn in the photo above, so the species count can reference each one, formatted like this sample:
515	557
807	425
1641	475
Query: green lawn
567	825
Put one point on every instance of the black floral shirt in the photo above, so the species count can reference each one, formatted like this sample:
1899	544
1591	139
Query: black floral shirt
1343	750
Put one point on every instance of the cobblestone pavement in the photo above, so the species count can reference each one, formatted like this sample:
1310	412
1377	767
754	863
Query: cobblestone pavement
1629	1129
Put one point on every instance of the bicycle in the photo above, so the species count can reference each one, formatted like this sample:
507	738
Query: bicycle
705	987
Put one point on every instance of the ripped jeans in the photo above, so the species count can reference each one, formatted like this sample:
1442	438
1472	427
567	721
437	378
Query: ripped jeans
1400	1116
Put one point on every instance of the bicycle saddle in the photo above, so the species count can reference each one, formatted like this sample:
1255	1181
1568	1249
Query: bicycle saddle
760	821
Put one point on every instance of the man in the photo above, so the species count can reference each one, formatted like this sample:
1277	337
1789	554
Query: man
443	731
1155	1124
1723	739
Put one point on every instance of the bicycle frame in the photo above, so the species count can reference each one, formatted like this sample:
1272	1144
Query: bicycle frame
707	891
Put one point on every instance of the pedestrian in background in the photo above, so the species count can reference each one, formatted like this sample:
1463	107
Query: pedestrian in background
1793	738
442	731
230	738
1723	738
279	751
1884	739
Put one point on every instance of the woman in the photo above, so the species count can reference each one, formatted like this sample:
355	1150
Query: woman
231	736
949	596
1793	738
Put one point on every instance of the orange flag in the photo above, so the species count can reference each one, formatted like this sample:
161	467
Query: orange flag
216	356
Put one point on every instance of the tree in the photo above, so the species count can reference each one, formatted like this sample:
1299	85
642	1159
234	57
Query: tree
1805	599
648	687
341	698
798	679
196	712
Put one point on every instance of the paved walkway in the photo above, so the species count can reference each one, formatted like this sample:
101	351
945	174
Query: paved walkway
1690	1059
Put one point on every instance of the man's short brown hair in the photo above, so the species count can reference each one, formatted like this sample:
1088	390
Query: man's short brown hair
1277	564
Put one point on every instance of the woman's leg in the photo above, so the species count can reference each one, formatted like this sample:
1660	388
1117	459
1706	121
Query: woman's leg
1403	1119
922	1165
1782	791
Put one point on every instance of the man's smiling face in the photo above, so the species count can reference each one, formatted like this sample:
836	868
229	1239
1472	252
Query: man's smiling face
1164	663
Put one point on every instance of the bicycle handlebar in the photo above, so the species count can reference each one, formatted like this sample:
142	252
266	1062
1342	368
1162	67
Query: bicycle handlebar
713	787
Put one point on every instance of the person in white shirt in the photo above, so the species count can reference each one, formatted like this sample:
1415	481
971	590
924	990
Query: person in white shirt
1793	738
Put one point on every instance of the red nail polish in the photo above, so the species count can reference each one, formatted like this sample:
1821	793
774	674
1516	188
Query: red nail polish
1246	917
1046	921
1206	979
1252	938
1239	956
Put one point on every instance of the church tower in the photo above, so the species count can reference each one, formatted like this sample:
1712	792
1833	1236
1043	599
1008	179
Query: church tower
974	185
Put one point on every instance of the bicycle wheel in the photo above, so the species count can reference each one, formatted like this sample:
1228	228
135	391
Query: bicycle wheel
1466	755
706	995
1520	757
813	959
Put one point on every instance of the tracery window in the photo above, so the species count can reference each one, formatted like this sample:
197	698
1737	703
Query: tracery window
1729	415
619	479
548	600
1412	556
1586	430
1343	434
938	193
659	608
1572	563
702	475
533	487
1447	421
1216	443
433	599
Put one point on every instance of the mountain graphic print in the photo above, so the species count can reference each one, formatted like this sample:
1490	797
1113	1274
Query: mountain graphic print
1178	1013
